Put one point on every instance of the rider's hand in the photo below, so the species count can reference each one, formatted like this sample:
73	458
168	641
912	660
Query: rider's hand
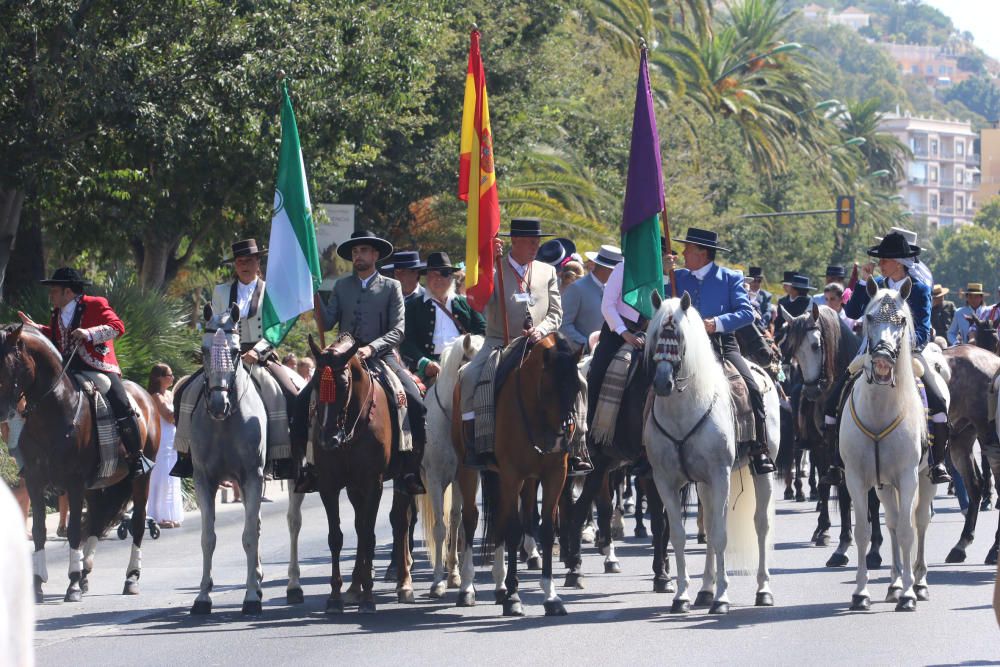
669	262
867	270
635	341
26	320
497	246
710	325
533	335
365	352
79	336
432	369
250	358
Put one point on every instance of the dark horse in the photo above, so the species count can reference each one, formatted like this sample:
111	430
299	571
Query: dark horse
352	433
534	426
60	451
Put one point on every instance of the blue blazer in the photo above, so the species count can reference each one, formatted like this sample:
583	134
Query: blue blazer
919	303
721	295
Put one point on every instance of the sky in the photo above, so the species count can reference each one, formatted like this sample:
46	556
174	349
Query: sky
980	17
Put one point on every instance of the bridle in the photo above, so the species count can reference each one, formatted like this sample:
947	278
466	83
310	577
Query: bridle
30	406
568	424
328	397
207	388
671	348
887	313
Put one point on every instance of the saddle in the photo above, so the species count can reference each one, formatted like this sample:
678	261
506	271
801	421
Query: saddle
498	367
402	439
94	388
621	371
743	418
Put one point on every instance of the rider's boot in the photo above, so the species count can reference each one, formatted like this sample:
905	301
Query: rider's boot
474	460
183	468
641	468
283	469
759	459
834	475
410	479
579	461
307	482
128	430
939	441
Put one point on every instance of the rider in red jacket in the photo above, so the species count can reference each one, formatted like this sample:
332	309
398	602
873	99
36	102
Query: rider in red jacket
88	324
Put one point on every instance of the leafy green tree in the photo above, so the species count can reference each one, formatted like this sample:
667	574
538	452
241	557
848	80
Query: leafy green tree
969	253
979	94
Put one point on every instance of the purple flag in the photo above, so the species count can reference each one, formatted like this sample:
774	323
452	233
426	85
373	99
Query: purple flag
644	187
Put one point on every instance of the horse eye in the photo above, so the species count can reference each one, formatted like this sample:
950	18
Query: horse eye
816	347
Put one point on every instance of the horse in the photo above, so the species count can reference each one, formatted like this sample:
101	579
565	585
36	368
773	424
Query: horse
535	422
60	450
352	433
441	506
16	608
882	442
689	435
823	346
972	372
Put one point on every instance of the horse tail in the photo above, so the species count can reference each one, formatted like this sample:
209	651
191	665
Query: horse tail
106	506
491	504
429	518
742	555
687	495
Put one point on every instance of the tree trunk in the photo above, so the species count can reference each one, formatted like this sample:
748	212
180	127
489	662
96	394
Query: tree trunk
11	204
157	254
27	263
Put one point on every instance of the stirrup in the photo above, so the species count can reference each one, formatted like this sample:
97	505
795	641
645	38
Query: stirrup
939	474
834	476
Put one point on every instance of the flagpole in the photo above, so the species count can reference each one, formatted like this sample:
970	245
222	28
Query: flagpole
502	297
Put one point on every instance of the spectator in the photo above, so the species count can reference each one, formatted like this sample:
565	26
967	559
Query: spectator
961	331
942	312
166	502
570	272
289	361
305	368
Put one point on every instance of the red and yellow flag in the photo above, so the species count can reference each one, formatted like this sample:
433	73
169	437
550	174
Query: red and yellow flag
476	166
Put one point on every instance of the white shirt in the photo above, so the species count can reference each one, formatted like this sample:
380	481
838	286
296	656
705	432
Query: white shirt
366	281
244	295
599	283
445	330
613	307
703	271
520	268
66	313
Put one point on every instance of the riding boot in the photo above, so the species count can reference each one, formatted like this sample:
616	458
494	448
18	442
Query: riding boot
410	481
759	459
283	469
307	481
183	468
128	430
474	460
835	471
579	462
939	440
641	468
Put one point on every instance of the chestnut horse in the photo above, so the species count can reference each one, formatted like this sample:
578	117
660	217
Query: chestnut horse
352	438
60	451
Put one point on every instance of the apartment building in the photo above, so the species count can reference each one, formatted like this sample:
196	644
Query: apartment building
942	176
989	185
936	65
852	17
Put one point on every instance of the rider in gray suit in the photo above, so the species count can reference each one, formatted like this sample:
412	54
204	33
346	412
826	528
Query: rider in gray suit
582	300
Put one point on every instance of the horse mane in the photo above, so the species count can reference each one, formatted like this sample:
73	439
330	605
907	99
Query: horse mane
699	366
451	361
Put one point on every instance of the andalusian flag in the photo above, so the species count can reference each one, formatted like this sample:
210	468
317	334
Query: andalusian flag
293	254
643	203
476	168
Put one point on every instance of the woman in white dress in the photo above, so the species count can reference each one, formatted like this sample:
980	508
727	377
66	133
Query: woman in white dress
166	502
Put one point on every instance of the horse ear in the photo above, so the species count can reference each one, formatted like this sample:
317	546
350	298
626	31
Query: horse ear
971	319
871	287
785	315
314	348
234	313
815	312
685	301
467	344
207	312
905	288
654	296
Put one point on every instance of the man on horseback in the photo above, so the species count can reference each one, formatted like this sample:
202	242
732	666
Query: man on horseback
896	257
272	379
721	298
83	328
370	307
534	310
796	300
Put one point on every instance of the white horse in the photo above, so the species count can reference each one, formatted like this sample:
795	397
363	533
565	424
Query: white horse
441	506
689	436
17	609
882	436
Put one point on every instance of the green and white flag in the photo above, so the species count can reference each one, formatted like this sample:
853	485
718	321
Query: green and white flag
293	273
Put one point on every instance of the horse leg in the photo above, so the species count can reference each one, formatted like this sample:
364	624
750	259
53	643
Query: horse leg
468	482
661	533
874	558
860	599
800	497
530	522
618	511
922	518
293	592
335	540
629	493
366	502
74	532
839	558
399	518
252	487
672	502
640	495
909	484
140	494
551	491
715	581
435	524
510	519
36	495
581	510
821	536
991	555
606	539
205	488
455	521
960	450
891	503
762	518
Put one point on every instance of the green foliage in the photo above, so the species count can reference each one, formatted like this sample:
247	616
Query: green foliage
979	94
969	253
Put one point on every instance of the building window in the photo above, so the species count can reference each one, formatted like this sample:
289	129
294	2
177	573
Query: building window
934	175
934	146
942	70
959	176
959	204
960	149
934	202
930	69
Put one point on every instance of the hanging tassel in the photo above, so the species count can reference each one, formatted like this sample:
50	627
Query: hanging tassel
327	387
220	356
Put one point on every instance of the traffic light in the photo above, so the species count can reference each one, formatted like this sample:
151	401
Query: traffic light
845	212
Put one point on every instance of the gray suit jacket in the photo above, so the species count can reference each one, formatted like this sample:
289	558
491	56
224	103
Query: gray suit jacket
374	316
546	312
582	316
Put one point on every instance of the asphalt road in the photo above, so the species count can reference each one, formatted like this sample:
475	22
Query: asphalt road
616	619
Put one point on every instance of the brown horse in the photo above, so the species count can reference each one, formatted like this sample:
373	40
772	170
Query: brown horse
352	437
60	451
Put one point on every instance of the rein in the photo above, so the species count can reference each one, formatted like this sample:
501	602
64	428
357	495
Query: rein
30	406
679	443
875	437
366	405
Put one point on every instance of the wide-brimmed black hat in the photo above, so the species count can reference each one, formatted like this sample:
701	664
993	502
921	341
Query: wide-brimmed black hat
799	281
438	261
894	246
755	272
525	227
704	238
835	271
406	259
556	251
245	248
787	277
365	237
66	277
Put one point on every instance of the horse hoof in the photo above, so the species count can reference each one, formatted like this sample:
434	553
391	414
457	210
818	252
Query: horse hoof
73	595
720	608
513	608
294	596
131	587
906	604
335	606
764	599
574	580
466	599
894	593
352	597
39	596
874	561
390	573
702	539
813	496
366	607
956	555
800	497
404	596
923	593
704	598
680	607
555	608
991	556
252	608
821	539
837	560
789	494
454	581
860	603
85	586
437	591
588	535
640	531
201	607
663	585
612	567
534	563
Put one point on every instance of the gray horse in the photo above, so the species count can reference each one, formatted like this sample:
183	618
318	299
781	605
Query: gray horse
228	432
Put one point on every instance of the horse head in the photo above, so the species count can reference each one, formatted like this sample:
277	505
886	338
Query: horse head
220	352
985	333
335	387
555	376
888	331
806	343
667	343
15	372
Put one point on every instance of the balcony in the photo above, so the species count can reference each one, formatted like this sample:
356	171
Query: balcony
972	160
950	183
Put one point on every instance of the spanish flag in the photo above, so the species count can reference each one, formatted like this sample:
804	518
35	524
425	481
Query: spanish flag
476	167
